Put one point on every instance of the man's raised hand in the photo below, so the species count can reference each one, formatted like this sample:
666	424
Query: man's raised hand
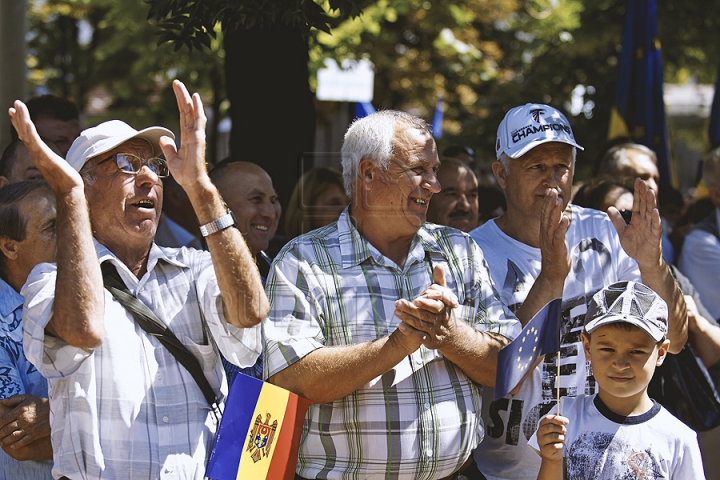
187	165
61	177
642	237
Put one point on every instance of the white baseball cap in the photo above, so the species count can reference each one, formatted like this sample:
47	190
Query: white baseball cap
629	302
530	125
102	138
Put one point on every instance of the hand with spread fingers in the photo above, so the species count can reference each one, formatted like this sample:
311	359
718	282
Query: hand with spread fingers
642	237
61	177
187	165
429	317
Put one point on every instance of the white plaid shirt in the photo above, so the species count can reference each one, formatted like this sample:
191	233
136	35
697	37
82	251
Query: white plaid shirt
418	421
128	409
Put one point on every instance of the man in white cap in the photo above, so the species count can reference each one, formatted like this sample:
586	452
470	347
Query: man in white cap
545	245
122	405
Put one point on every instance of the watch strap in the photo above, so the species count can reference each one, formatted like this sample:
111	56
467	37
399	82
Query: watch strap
218	224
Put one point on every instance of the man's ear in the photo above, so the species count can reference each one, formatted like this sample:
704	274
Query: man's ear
3	181
8	246
662	352
367	170
500	174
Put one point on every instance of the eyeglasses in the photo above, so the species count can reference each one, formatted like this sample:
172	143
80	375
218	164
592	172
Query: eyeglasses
129	163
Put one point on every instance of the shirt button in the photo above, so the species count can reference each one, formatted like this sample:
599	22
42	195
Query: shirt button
158	376
166	419
429	453
427	405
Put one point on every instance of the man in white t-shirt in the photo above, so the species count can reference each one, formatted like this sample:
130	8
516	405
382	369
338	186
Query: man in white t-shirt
555	249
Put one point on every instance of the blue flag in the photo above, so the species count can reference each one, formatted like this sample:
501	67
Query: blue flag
437	123
363	109
639	110
714	127
541	335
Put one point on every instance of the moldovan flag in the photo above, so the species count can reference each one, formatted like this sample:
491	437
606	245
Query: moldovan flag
541	335
639	109
259	434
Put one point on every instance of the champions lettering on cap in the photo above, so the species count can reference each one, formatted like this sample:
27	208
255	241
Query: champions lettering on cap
530	125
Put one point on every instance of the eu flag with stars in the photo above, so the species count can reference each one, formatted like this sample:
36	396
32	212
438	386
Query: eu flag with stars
540	336
639	111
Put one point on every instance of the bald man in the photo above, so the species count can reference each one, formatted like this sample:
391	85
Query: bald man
248	191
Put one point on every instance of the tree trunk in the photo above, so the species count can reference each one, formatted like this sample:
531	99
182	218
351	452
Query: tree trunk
271	105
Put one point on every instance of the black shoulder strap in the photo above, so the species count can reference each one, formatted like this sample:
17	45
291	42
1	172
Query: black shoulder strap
149	322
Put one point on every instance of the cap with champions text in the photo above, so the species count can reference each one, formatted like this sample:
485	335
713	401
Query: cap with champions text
106	136
629	302
530	125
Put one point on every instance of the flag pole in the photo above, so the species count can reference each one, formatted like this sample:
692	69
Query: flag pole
557	382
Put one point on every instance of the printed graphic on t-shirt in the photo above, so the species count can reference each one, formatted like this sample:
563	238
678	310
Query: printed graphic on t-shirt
595	455
586	256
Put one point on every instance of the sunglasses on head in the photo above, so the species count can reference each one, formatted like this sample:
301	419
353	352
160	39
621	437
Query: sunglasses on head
132	164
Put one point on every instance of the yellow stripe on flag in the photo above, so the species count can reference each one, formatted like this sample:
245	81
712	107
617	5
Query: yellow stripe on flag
264	429
618	127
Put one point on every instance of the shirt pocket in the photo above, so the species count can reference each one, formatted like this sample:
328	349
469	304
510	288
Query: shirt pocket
209	359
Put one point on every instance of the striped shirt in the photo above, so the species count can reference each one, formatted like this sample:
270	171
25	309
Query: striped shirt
128	409
421	419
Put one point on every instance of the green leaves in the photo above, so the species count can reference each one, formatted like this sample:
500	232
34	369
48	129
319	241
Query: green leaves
190	23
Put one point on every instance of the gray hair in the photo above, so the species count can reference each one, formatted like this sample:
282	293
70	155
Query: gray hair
506	160
372	137
710	167
88	174
615	159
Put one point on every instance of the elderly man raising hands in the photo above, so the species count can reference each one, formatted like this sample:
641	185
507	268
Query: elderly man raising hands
123	406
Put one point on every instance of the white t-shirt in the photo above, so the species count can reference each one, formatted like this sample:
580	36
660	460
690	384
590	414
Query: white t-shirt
597	259
601	444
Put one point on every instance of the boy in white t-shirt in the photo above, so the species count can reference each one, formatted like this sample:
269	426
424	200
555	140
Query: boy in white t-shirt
620	432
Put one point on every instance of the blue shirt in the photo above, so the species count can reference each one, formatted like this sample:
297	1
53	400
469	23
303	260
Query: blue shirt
17	376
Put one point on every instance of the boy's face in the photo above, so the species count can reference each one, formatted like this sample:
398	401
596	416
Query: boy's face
623	362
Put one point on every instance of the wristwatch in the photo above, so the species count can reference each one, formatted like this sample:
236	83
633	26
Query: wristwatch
218	224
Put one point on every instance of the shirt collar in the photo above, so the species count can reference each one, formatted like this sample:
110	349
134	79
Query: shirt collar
10	300
355	249
168	255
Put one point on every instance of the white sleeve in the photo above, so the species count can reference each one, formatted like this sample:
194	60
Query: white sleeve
700	262
52	356
689	460
240	346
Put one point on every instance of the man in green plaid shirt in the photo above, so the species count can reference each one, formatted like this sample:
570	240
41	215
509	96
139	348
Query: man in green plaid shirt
389	325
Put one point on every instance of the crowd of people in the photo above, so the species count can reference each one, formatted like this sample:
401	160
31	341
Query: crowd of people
136	284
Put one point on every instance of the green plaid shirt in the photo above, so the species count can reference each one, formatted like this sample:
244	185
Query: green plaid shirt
421	419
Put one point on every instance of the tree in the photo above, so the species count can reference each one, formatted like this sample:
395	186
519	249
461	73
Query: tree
106	50
485	56
266	72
